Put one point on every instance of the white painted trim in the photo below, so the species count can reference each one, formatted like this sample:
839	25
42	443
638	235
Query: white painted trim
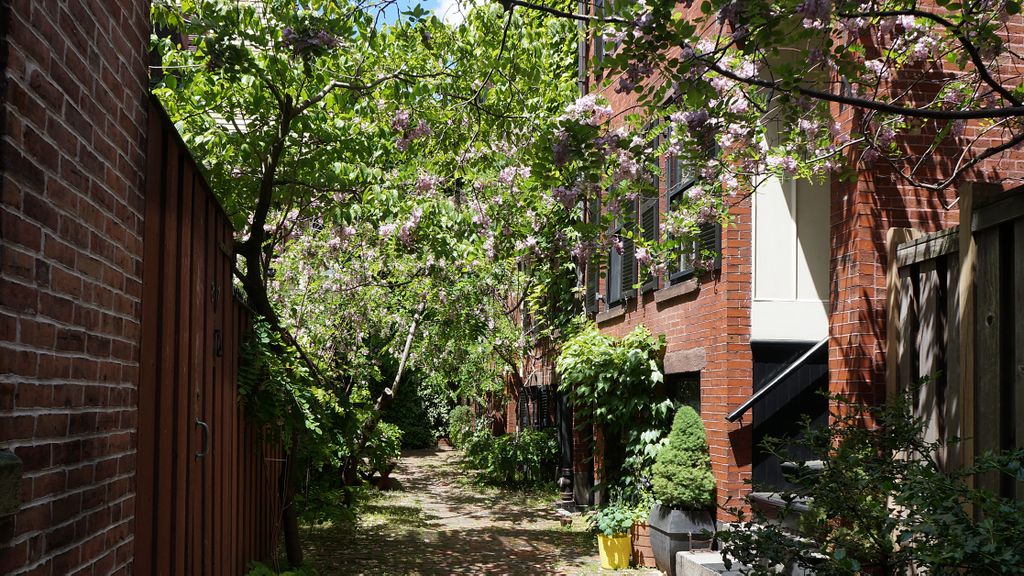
788	320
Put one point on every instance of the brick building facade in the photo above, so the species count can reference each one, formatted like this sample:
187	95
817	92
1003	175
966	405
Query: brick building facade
721	333
74	121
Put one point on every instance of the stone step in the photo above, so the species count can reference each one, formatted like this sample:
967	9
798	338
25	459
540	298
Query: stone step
710	563
703	563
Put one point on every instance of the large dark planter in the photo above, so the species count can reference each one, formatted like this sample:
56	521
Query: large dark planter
676	531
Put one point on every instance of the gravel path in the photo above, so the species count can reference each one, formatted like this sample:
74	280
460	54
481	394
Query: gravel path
438	523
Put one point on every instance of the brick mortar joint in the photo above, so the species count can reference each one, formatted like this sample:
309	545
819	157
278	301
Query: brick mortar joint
50	555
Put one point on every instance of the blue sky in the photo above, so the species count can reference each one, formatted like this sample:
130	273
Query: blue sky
449	10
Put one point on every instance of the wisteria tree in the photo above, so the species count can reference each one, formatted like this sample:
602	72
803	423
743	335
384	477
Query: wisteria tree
379	177
743	89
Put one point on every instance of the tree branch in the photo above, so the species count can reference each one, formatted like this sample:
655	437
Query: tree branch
969	46
868	104
508	4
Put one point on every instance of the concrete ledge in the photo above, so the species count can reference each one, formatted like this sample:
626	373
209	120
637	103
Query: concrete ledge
610	314
677	290
702	564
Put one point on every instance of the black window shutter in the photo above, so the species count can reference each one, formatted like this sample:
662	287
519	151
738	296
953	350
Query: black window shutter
649	223
628	267
710	239
543	406
523	411
593	277
593	267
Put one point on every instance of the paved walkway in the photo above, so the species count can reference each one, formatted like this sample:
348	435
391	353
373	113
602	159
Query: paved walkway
438	523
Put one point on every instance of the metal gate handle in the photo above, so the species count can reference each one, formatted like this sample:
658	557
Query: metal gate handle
206	439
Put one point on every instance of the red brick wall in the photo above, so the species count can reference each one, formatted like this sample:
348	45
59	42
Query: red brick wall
718	318
70	243
862	213
715	317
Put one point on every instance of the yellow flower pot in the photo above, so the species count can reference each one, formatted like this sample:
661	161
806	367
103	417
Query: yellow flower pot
615	551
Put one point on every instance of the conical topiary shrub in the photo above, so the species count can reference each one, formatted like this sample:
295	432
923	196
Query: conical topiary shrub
681	475
684	487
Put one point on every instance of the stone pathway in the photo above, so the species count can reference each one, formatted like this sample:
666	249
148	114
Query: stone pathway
439	523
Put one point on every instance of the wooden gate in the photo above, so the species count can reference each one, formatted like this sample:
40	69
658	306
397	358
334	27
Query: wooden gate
998	230
956	320
207	489
925	332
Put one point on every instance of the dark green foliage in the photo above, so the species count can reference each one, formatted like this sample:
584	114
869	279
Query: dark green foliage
882	501
418	410
460	425
384	447
682	476
613	520
614	383
518	460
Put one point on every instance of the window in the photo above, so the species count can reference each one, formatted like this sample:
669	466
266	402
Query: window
650	206
603	46
534	409
709	236
621	269
598	55
684	389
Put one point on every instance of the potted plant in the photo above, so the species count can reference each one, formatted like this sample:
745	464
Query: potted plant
684	489
613	523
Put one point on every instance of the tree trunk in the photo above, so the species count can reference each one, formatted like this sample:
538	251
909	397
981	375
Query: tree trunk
384	400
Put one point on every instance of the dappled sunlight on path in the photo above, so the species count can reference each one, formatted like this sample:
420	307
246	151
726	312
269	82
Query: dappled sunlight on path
439	523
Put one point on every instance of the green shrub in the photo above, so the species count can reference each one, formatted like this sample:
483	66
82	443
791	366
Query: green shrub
419	410
477	448
682	476
873	506
614	519
384	447
519	460
615	383
460	425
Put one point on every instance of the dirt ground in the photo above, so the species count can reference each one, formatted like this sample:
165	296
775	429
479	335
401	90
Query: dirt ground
437	522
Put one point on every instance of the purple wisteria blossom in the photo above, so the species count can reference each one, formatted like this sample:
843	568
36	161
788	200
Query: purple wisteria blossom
565	196
401	120
386	230
617	244
643	256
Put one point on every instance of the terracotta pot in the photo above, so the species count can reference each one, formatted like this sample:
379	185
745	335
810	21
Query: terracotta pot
642	553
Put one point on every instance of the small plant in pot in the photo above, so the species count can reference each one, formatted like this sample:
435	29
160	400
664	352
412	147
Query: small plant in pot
684	488
612	524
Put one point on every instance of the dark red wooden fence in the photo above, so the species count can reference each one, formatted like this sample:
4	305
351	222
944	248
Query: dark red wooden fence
208	499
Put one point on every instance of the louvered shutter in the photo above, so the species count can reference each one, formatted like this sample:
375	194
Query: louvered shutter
710	239
593	277
593	267
523	410
628	268
649	232
543	407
